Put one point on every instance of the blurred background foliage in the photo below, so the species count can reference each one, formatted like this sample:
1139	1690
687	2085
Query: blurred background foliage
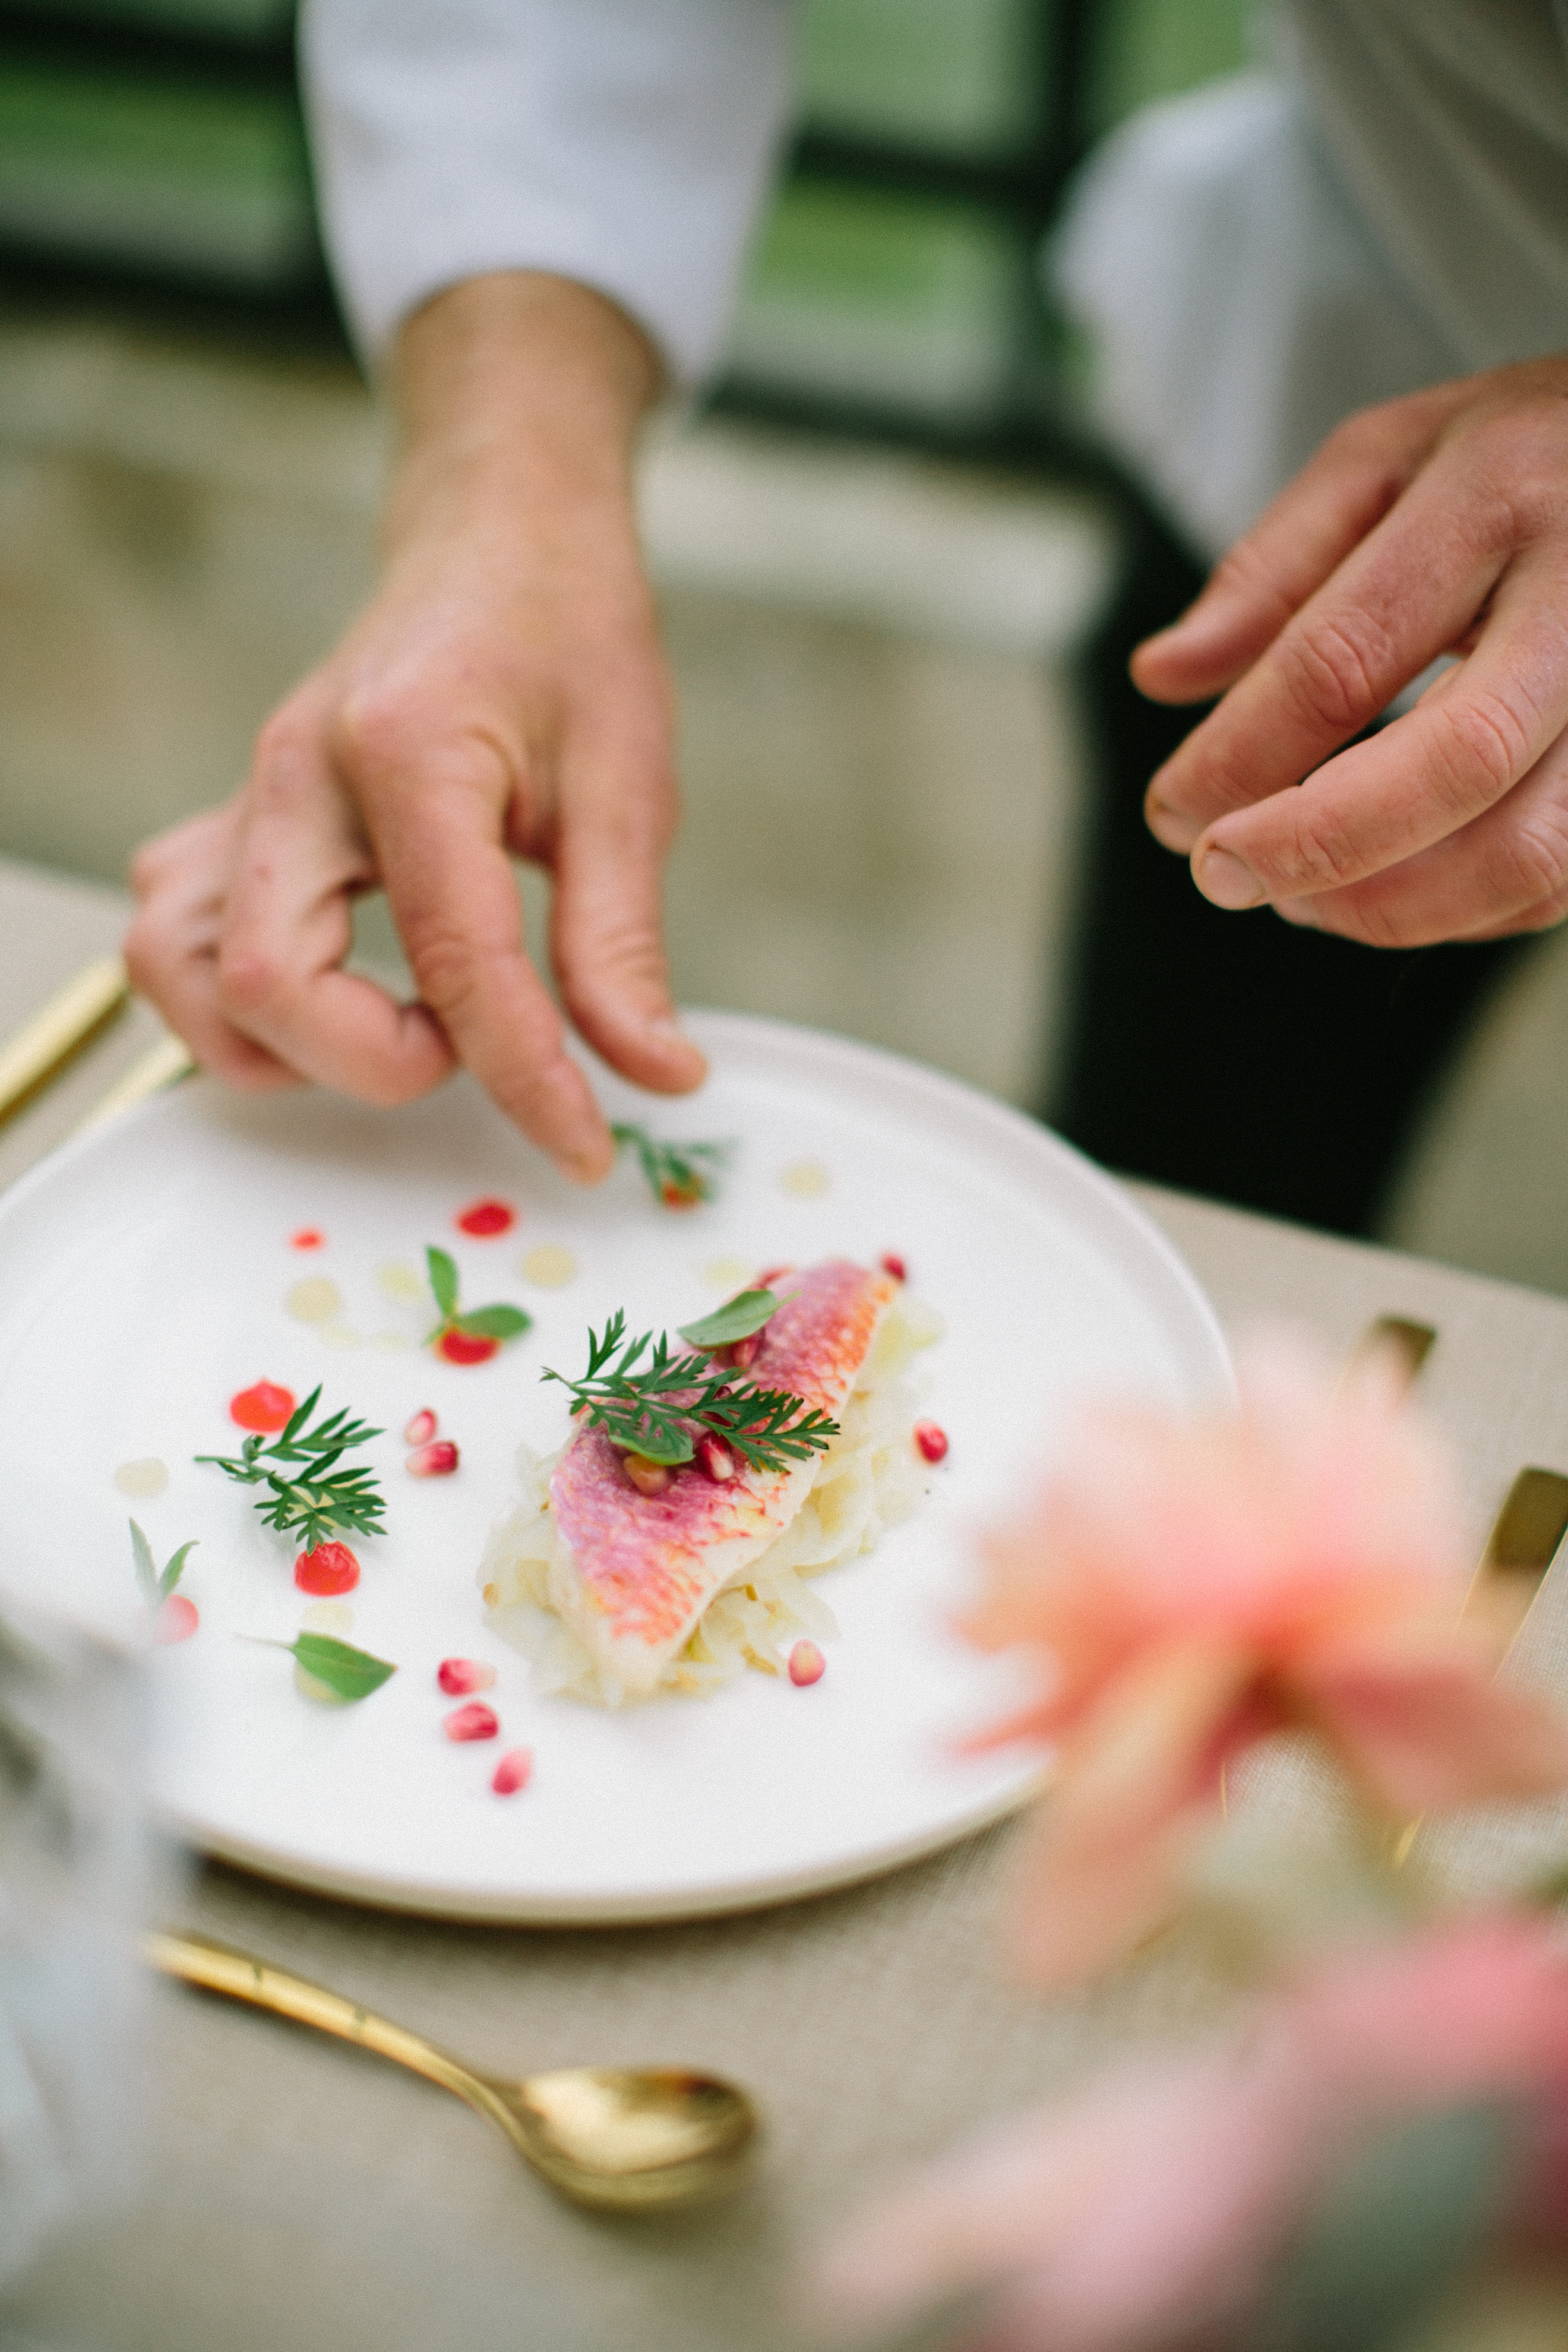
892	289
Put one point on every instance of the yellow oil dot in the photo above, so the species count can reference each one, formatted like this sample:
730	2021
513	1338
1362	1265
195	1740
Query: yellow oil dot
392	1341
314	1300
728	1274
339	1335
328	1617
549	1266
804	1178
397	1279
146	1476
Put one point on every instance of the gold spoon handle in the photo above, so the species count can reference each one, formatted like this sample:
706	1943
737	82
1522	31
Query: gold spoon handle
59	1029
220	1968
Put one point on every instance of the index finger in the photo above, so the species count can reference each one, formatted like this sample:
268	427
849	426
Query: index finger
455	900
1464	748
1301	538
1403	596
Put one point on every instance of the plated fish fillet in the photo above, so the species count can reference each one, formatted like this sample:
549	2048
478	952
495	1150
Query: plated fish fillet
643	1567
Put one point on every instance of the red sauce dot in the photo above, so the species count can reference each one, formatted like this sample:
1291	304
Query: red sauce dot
264	1408
484	1219
330	1567
176	1620
467	1348
308	1237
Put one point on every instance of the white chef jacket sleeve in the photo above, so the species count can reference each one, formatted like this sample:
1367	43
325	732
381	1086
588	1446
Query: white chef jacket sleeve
624	143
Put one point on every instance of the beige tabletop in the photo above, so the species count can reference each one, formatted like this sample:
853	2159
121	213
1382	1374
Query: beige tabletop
300	2194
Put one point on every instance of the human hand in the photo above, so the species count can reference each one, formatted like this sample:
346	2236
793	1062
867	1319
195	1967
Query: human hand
1434	524
503	695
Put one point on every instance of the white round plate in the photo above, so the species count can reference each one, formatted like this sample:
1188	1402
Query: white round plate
143	1273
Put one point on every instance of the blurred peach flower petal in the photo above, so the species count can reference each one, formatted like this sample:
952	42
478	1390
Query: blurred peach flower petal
1299	1561
1155	2203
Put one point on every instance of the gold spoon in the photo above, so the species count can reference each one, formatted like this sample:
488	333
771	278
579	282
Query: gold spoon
620	2139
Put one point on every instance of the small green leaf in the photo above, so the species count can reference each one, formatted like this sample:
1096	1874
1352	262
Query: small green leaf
493	1323
669	1448
351	1673
737	1321
443	1280
146	1574
172	1574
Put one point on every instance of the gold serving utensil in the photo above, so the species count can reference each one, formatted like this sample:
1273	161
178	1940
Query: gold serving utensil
1526	1538
45	1042
1411	1343
619	2138
162	1065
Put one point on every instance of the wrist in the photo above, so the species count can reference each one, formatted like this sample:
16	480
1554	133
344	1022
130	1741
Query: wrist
519	396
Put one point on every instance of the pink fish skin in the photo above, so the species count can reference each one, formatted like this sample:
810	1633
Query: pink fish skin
647	1565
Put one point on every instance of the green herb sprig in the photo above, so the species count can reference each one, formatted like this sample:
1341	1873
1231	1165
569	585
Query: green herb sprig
498	1323
656	1403
348	1673
319	1500
157	1583
679	1175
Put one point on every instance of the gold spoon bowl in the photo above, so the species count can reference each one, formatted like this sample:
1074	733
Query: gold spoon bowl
622	2139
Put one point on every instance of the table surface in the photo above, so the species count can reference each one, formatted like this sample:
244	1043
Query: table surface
298	2193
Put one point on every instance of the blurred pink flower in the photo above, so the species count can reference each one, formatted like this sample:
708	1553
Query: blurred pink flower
1154	2204
1197	1583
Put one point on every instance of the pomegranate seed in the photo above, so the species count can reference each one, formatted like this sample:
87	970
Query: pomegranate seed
716	1458
769	1275
931	1440
329	1568
475	1721
806	1665
744	1353
894	1265
265	1407
176	1620
438	1461
647	1477
459	1676
513	1772
467	1348
485	1219
421	1429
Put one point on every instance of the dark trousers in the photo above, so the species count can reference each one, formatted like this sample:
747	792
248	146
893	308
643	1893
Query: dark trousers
1232	1055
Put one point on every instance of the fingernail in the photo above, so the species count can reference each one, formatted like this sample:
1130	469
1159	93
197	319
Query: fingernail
585	1167
665	1030
1226	882
1171	828
1300	911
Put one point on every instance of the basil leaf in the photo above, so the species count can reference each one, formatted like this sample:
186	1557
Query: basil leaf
142	1553
744	1315
351	1673
170	1575
443	1280
493	1323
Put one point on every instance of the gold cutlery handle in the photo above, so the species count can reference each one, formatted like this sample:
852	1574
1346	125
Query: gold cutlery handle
220	1968
72	1016
164	1065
